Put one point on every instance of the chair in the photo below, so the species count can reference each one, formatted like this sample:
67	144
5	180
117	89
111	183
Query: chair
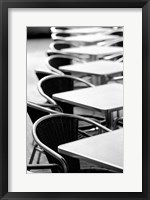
35	112
113	57
40	168
59	45
40	73
54	62
60	29
54	84
60	36
120	59
114	42
117	32
117	79
51	131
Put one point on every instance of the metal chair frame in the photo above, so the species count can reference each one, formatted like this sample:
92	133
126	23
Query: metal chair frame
59	76
51	152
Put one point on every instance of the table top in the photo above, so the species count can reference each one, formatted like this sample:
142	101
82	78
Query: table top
87	30
106	97
95	68
93	50
105	150
90	38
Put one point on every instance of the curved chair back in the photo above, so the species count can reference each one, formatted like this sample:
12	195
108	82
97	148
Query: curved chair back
118	33
54	84
41	74
60	36
51	131
120	59
115	42
59	29
114	57
36	111
56	61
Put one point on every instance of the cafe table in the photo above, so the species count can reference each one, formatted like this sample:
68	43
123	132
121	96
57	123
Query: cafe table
90	38
93	51
99	69
104	150
87	30
105	98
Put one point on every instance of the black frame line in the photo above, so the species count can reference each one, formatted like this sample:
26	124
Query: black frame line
4	6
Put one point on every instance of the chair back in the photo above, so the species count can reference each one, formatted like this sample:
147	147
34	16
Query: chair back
56	130
60	36
41	74
60	83
56	61
58	29
51	131
58	45
56	84
35	111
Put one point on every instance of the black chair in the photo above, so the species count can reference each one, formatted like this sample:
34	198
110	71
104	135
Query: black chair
60	36
114	42
60	83
117	32
114	57
54	84
59	45
60	29
55	61
51	131
36	111
41	74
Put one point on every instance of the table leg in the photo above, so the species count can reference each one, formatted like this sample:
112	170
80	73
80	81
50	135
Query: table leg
108	119
99	80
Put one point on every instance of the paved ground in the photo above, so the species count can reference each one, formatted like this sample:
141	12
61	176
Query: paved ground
36	56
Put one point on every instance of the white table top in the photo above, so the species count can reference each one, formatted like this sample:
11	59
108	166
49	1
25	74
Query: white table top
87	30
93	50
105	150
90	38
95	68
101	98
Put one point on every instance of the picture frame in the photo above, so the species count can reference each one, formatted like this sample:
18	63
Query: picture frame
4	6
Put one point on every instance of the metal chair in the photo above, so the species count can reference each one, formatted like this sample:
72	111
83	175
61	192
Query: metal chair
59	45
54	62
36	111
54	84
113	57
41	74
115	42
60	36
60	83
51	131
60	29
117	79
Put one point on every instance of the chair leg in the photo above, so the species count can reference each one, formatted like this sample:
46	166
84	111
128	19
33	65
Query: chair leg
39	156
33	154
